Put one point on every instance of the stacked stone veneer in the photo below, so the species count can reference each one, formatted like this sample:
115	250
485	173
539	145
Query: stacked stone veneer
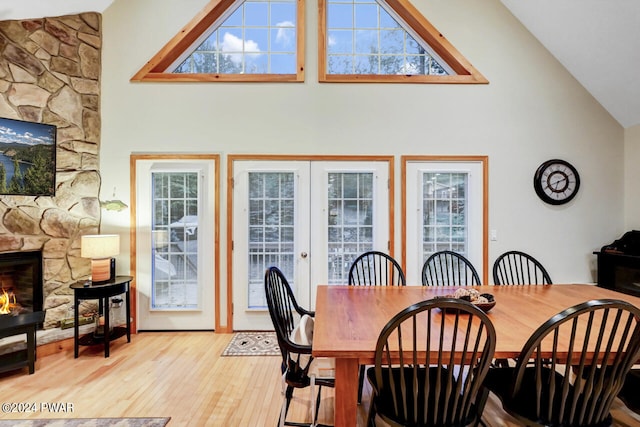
50	73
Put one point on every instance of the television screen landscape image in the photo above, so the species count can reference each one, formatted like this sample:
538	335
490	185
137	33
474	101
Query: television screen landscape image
27	158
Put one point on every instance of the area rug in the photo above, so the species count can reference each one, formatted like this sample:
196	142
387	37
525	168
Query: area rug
88	422
253	344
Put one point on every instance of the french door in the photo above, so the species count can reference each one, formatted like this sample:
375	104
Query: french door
308	218
175	206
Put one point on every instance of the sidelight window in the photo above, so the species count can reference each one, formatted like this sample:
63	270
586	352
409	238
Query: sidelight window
445	209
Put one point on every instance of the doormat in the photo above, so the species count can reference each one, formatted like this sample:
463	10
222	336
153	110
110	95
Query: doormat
88	422
253	344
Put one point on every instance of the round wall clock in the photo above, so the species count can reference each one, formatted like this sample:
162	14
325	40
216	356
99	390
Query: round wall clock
556	182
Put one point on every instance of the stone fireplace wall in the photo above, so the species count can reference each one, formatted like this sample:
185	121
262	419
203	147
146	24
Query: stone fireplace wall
50	73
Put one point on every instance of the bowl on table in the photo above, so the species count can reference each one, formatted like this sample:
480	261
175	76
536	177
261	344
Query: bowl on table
483	301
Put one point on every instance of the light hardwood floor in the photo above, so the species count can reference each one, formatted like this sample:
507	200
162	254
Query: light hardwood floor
179	375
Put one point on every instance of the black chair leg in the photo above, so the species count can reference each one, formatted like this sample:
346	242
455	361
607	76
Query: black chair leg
314	422
287	395
318	398
371	415
481	402
360	383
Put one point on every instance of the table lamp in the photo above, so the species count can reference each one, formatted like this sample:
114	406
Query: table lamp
100	248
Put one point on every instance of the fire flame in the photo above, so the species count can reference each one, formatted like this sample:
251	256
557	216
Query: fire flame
7	302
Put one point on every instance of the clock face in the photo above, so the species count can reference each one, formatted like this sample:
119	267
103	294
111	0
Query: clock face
556	182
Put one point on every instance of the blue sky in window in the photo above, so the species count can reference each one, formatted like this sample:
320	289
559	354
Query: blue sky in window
363	38
256	14
264	32
364	21
259	34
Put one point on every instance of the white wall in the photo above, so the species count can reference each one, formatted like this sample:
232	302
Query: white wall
531	111
632	178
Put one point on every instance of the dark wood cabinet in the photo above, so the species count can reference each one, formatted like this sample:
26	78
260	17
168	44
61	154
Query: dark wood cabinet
619	272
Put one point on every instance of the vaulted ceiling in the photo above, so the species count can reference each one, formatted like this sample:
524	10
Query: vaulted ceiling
597	41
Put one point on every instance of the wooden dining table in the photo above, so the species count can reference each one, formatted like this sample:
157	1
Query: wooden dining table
349	319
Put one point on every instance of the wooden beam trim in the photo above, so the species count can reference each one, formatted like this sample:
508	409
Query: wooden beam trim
435	39
185	38
238	78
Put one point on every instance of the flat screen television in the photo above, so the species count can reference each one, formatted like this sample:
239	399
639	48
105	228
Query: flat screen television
27	158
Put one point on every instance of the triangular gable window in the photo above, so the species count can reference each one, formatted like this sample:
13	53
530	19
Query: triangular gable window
263	41
386	41
243	40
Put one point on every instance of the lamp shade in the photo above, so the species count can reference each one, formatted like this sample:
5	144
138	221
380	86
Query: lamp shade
99	246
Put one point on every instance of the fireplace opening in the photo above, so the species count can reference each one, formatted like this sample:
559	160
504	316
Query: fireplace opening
21	299
20	284
8	304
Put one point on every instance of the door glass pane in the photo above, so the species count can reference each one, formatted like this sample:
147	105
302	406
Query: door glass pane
271	226
444	221
350	221
175	241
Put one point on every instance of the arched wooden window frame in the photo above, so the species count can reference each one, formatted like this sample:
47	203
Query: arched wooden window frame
464	72
156	70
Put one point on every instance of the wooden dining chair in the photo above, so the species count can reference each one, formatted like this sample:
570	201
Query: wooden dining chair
434	380
519	268
448	268
374	268
572	367
296	358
